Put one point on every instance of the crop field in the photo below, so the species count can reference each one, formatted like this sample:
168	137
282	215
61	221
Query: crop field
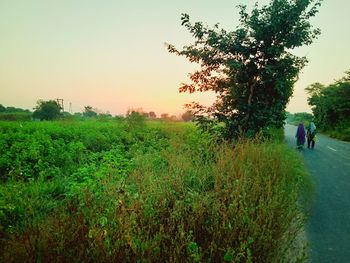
126	190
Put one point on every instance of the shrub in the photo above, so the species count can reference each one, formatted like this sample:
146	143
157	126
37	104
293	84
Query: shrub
16	116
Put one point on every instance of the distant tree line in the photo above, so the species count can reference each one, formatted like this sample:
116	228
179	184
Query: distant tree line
186	116
10	109
13	113
52	110
299	117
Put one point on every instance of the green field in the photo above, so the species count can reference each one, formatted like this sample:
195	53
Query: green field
126	191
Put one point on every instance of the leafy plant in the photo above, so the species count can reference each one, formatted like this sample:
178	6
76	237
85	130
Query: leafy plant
331	106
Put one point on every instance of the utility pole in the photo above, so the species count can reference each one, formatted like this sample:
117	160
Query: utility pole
60	103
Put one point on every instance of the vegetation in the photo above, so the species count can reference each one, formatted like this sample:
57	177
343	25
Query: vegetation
331	107
187	116
251	68
129	189
89	112
14	114
11	109
299	117
152	115
47	110
123	190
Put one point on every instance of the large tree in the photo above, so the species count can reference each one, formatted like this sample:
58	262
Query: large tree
47	110
331	104
251	69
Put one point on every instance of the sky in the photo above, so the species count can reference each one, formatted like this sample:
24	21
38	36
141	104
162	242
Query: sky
111	54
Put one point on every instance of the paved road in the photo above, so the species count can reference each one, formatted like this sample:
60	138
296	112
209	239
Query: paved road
328	229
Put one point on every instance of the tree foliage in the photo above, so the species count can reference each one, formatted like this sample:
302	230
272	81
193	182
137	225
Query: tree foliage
299	117
152	115
14	114
47	110
251	69
11	109
89	112
2	108
187	116
331	104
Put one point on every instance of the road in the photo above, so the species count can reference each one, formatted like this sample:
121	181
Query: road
328	228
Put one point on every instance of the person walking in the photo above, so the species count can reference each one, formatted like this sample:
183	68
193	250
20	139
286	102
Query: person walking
311	135
300	136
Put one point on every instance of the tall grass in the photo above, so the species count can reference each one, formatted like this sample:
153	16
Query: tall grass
191	201
341	133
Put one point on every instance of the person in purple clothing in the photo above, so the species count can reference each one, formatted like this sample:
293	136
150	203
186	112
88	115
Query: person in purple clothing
300	136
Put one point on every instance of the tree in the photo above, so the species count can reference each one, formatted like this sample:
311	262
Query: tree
187	116
89	112
251	68
314	90
331	104
2	108
299	117
152	115
47	110
135	119
164	116
140	111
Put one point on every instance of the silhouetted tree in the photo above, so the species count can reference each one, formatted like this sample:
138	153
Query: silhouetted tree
164	116
152	115
89	112
251	69
187	116
138	110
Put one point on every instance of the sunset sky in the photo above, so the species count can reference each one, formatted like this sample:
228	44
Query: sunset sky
110	54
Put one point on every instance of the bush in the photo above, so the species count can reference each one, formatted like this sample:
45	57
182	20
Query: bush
135	120
340	133
16	116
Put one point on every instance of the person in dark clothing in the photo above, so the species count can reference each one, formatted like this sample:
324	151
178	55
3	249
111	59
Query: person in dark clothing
311	135
300	136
